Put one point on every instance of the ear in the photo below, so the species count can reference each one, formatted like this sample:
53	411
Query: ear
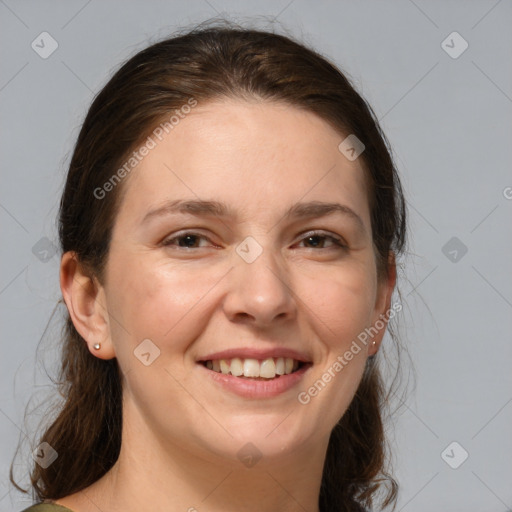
85	300
383	307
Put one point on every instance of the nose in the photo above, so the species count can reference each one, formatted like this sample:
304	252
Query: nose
259	292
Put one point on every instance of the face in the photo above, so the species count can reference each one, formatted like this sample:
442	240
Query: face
274	274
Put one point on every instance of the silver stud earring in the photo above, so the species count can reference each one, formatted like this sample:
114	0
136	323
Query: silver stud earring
97	346
374	343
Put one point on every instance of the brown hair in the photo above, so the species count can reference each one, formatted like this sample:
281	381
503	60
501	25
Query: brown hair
206	64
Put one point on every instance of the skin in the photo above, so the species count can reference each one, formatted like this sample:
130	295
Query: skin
181	431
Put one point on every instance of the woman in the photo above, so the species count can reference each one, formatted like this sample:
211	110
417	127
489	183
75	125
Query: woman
229	229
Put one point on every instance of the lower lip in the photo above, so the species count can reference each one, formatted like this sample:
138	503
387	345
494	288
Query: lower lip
249	388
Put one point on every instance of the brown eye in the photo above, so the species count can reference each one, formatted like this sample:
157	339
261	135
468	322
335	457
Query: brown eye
187	240
317	241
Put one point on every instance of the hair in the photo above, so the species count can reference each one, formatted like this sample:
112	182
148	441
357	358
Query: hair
206	64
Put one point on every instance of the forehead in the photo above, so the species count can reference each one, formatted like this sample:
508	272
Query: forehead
258	156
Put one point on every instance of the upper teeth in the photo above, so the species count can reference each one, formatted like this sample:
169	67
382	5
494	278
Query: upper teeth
268	368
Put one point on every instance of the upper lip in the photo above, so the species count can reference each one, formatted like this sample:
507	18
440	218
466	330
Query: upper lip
255	353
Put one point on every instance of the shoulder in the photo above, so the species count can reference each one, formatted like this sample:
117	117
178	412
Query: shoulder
47	507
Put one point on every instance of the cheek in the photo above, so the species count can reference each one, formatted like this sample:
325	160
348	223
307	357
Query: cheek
165	304
341	302
343	309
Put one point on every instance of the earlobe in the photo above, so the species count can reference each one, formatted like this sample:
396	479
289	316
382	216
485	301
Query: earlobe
85	300
383	305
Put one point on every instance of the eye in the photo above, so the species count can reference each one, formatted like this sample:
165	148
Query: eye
316	239
186	240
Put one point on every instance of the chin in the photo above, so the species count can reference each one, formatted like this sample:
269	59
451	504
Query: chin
273	435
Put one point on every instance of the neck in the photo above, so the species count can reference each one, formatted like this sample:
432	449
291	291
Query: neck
178	477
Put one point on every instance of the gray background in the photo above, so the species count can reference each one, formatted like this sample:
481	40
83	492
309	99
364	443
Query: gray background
448	120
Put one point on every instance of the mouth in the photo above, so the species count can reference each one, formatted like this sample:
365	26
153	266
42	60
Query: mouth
271	368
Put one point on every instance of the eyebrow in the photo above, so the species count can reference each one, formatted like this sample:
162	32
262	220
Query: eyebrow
311	209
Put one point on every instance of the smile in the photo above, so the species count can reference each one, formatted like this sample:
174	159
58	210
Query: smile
255	378
265	369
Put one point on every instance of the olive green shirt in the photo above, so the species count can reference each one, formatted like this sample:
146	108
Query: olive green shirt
52	507
47	507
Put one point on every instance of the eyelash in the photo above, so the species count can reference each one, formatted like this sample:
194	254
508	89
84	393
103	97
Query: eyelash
313	234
